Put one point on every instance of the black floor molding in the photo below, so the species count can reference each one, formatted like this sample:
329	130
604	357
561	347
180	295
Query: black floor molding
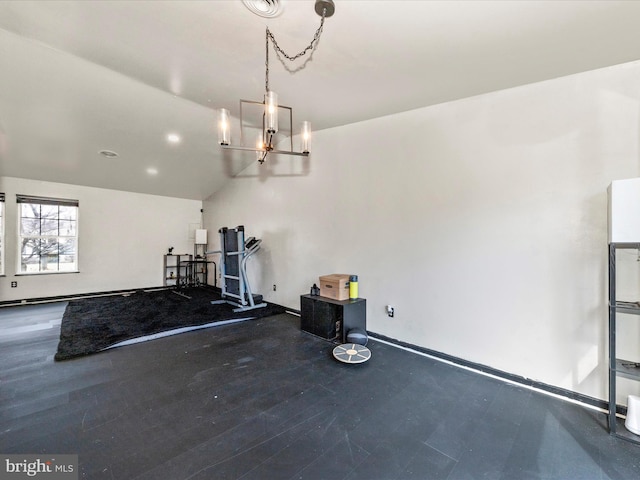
578	397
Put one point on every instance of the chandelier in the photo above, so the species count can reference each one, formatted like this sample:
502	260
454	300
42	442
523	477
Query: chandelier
264	115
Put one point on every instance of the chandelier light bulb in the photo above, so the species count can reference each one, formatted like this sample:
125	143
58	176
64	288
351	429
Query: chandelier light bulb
271	112
261	150
224	130
306	136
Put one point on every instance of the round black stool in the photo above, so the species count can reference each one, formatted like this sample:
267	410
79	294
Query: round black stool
357	335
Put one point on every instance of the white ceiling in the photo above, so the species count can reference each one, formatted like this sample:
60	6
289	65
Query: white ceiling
77	77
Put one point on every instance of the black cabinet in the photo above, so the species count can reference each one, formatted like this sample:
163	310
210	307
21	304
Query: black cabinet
332	319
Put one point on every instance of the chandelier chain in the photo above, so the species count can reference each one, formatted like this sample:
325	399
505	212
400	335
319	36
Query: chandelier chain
266	63
311	46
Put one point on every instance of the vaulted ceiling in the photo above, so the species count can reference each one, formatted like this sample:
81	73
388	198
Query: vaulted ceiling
78	77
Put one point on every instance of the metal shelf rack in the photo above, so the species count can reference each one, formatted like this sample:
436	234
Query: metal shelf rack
617	366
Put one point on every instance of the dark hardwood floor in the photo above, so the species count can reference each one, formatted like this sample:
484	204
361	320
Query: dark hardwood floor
263	400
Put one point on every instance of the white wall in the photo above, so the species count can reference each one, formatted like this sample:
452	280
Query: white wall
483	221
122	238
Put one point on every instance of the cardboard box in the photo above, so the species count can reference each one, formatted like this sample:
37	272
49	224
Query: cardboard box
335	286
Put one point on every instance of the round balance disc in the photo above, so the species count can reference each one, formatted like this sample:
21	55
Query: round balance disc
351	353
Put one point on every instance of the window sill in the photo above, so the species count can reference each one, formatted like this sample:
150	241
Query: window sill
35	274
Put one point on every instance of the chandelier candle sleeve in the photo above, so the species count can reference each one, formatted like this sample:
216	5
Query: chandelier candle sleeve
306	136
260	148
224	128
271	112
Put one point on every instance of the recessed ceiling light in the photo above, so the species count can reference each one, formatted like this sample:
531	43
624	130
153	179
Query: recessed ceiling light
173	138
108	153
152	171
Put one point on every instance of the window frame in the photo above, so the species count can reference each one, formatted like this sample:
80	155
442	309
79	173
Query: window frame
2	232
56	239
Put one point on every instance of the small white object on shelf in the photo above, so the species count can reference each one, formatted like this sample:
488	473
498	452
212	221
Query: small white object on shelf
633	414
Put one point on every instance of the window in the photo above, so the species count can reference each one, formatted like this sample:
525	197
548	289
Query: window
1	233
48	235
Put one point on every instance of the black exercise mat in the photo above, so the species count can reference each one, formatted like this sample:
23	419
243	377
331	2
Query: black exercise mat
92	324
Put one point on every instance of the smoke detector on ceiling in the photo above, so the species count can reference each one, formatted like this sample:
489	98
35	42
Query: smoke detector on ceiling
264	8
108	153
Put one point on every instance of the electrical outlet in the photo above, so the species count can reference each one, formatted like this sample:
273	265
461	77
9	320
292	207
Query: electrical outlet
390	311
14	284
274	287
